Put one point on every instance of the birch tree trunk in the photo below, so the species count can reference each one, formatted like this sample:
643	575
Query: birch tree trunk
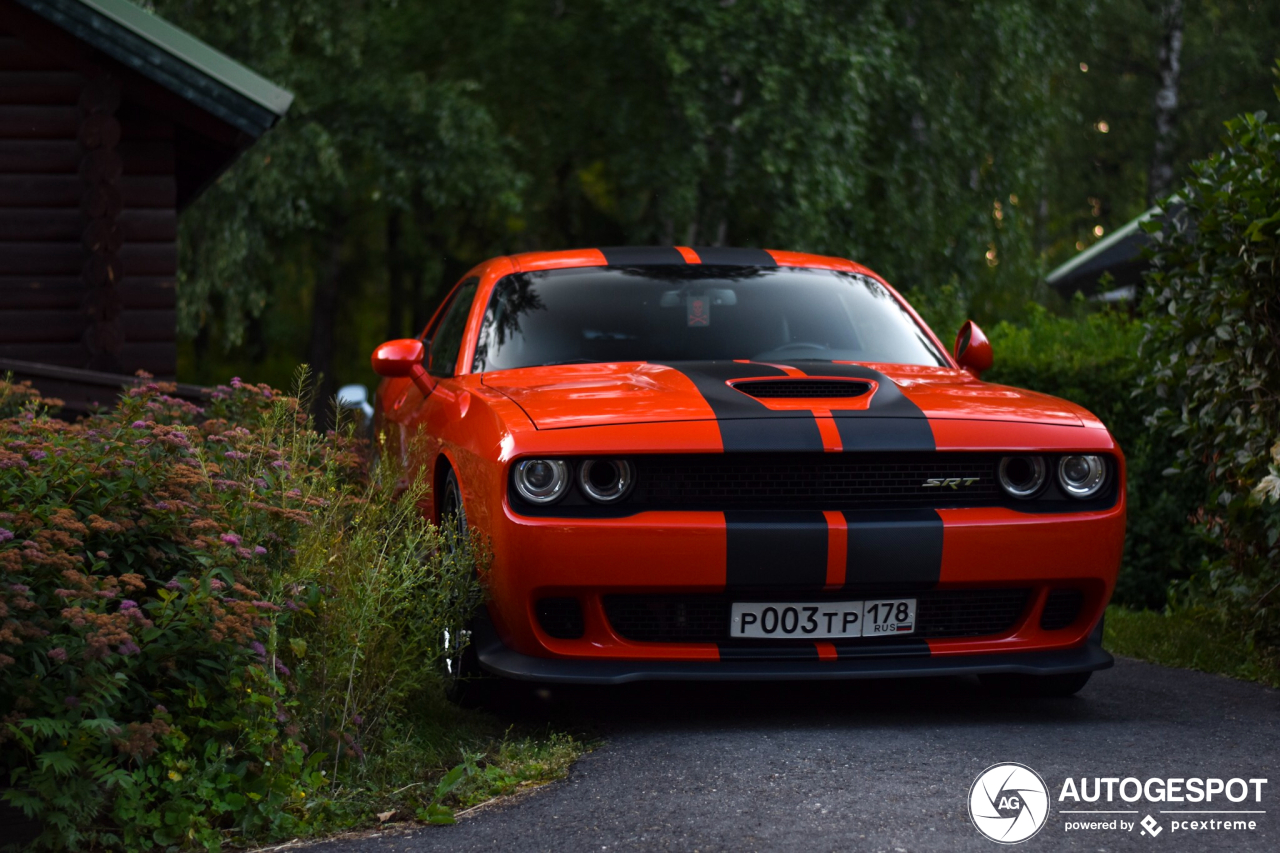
1160	179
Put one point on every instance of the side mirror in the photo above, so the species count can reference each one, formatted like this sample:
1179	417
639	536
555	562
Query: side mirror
973	350
402	358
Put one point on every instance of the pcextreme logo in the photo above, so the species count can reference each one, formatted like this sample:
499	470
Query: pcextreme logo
1008	803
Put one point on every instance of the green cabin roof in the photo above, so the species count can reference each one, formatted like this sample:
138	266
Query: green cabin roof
173	58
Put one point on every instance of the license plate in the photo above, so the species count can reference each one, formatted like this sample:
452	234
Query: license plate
818	620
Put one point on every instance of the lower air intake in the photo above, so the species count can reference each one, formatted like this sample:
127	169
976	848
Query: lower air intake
560	617
1061	609
705	618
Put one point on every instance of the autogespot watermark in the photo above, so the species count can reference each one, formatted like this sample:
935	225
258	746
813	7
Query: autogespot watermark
1009	803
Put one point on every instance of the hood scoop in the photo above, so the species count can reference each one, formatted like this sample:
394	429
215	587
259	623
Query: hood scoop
802	389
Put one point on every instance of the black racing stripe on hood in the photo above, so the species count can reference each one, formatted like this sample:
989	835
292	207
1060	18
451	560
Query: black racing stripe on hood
727	257
860	429
642	256
781	550
899	549
746	424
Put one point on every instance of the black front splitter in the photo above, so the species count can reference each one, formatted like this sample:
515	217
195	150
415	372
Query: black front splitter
500	660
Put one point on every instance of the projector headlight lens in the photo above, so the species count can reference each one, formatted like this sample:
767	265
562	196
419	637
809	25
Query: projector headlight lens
1082	476
541	481
606	481
1022	476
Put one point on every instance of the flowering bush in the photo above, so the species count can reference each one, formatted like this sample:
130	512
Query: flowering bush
197	607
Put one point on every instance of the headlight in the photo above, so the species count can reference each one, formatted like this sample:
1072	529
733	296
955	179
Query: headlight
606	480
1021	476
1082	476
541	481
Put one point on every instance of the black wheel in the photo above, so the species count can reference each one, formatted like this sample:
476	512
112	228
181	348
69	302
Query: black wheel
1018	684
453	515
465	682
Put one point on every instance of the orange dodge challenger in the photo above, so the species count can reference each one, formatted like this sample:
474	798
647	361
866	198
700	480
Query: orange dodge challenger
713	463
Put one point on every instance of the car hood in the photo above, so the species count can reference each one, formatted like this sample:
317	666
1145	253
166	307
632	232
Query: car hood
564	396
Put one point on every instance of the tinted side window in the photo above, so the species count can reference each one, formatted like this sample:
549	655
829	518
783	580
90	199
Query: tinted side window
447	341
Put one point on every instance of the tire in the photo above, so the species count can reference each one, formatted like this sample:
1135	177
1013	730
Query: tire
453	514
1047	686
465	681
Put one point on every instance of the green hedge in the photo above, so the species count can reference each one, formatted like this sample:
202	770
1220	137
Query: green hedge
1213	348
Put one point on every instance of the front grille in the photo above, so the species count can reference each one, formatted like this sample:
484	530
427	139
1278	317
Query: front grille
560	617
816	481
802	388
1061	609
705	618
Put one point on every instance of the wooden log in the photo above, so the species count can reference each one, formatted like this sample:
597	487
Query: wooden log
101	271
102	236
159	358
41	191
147	156
69	383
39	156
149	191
36	292
159	225
149	258
66	326
149	326
148	292
101	95
69	292
41	258
66	293
38	225
17	56
66	355
46	191
101	201
39	122
104	339
102	165
144	125
40	87
95	131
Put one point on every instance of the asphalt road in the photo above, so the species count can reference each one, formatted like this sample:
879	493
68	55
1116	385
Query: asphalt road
870	765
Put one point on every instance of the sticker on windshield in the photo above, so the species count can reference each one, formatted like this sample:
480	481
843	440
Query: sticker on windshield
699	310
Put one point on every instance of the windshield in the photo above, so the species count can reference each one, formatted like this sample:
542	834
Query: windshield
695	313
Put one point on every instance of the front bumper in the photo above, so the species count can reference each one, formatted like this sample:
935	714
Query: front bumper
847	557
876	663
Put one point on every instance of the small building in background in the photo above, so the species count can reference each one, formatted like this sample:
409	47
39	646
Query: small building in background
111	122
1118	255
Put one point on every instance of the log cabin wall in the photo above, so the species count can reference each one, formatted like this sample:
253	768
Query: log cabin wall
88	219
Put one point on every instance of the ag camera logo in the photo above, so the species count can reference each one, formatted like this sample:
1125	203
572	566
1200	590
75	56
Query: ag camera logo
1008	803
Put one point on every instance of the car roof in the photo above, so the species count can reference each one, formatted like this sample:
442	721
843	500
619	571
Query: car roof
640	256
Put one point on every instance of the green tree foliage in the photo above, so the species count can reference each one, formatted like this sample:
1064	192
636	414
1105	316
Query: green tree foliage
946	144
1101	160
1213	341
428	136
